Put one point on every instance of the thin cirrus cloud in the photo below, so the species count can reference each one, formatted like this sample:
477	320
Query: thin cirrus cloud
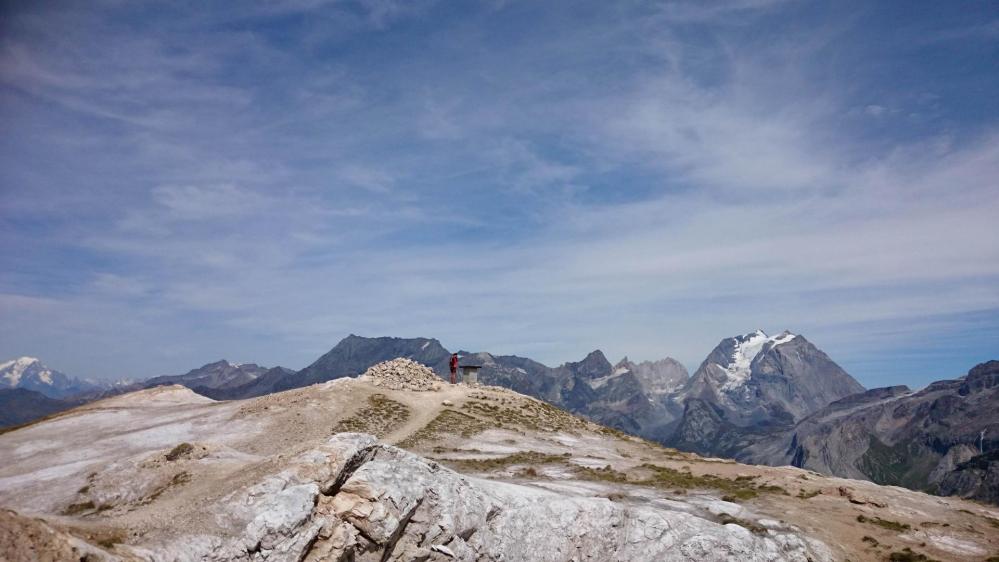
645	178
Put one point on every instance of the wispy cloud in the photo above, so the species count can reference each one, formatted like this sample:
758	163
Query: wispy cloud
646	178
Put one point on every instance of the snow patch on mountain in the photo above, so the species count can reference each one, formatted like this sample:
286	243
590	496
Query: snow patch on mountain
746	349
13	370
601	381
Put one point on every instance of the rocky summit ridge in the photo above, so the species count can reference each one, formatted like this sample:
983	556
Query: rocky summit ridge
354	470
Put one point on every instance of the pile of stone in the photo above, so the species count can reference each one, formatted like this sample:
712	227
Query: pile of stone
402	374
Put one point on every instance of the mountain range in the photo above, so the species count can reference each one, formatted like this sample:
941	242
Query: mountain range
758	398
942	439
397	465
28	373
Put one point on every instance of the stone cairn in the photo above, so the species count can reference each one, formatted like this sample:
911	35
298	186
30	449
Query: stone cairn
402	374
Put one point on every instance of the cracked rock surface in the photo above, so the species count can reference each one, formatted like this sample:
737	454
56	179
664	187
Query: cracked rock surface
356	499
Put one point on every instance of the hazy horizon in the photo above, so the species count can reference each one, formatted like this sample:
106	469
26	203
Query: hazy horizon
186	182
691	367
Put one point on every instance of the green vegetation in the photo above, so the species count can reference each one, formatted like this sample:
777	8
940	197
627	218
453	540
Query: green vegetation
871	540
805	494
524	457
884	523
603	474
907	463
679	481
179	451
739	489
378	418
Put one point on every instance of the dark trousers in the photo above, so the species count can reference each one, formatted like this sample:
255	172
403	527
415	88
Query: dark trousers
454	376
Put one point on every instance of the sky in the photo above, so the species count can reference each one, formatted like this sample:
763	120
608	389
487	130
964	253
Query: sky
187	181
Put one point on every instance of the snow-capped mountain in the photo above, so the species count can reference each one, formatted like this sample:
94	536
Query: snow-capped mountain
754	383
29	373
746	349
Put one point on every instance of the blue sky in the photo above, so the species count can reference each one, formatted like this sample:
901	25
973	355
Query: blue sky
195	180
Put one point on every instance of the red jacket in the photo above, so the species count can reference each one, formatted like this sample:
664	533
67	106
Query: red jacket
454	363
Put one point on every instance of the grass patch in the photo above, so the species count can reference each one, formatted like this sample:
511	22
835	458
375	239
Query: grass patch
179	451
738	489
447	423
755	528
181	477
603	474
528	414
78	508
909	555
884	523
804	494
523	457
379	417
771	489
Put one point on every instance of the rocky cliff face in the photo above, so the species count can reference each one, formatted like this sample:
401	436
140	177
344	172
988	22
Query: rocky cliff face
941	439
658	378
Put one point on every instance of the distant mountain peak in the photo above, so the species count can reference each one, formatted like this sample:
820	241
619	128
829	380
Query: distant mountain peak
30	373
657	378
594	365
14	369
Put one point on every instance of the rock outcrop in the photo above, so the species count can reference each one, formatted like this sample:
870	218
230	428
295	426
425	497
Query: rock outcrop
356	499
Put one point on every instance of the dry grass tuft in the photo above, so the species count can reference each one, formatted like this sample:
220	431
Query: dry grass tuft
379	418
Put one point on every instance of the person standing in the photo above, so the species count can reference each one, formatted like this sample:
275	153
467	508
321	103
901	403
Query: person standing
454	368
